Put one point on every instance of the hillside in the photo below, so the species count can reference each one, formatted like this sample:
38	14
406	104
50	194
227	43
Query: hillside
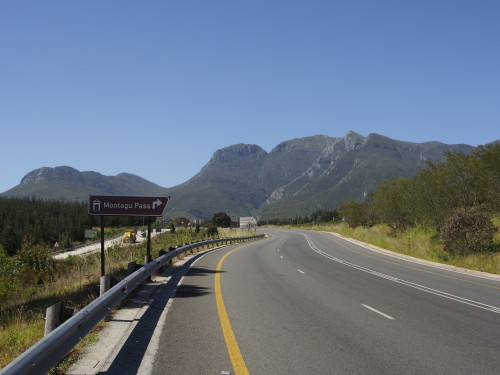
70	184
296	176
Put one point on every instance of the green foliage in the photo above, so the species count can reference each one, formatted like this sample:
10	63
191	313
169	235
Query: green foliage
394	203
324	215
355	213
462	181
33	262
212	231
49	222
489	174
467	231
437	194
8	287
221	219
172	228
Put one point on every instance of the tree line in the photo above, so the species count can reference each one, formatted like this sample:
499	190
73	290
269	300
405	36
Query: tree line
49	221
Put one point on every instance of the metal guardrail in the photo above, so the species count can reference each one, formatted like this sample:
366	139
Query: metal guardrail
47	352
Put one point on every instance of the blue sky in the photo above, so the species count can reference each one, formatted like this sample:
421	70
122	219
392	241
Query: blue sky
155	87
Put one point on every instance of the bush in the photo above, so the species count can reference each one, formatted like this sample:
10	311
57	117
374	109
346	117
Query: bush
356	214
212	231
221	219
467	231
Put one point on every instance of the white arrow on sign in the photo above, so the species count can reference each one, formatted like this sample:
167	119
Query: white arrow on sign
157	203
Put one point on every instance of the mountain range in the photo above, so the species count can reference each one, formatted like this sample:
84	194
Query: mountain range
295	177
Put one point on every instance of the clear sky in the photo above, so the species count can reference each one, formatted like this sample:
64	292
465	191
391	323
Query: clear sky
154	87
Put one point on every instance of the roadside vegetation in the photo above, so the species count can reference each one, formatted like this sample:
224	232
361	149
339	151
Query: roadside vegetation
449	212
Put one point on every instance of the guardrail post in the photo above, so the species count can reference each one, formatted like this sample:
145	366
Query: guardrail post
52	315
104	284
56	315
131	268
147	259
170	248
160	254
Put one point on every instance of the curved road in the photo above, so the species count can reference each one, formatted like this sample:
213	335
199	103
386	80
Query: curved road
304	302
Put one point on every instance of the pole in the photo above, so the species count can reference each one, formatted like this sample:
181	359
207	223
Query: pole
149	238
103	272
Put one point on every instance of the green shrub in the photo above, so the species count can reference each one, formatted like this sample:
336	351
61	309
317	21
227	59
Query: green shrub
212	231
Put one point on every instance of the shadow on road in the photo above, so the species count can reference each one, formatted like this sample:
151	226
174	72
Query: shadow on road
131	354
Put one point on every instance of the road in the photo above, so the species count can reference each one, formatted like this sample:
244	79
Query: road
311	303
304	302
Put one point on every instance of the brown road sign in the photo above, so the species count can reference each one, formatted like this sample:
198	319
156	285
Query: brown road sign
122	205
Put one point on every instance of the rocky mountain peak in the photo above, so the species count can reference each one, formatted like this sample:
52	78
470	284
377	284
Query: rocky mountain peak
240	150
353	140
45	173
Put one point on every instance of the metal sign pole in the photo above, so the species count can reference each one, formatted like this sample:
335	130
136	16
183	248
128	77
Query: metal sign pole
149	239
103	272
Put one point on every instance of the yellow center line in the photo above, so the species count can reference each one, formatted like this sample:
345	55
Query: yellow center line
233	349
409	267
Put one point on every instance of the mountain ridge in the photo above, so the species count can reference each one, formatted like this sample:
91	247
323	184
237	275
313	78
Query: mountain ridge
295	177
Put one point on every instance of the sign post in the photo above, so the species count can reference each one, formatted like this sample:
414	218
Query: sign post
103	271
125	205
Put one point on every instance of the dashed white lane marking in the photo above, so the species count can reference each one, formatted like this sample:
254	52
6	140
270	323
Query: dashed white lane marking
281	257
378	312
302	272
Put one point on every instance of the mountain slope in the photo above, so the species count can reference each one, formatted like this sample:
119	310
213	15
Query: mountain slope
70	184
296	176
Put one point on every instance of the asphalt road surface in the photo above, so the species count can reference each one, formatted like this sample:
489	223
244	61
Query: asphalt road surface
304	302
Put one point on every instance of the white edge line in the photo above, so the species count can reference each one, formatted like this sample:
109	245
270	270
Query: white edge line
404	282
378	312
146	365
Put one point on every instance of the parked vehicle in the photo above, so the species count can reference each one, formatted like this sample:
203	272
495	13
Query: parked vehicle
129	236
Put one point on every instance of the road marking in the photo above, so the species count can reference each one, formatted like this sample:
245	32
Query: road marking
233	349
281	256
453	297
410	267
378	312
302	272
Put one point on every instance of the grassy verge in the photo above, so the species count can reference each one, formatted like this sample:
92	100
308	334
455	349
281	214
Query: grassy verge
75	282
418	242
